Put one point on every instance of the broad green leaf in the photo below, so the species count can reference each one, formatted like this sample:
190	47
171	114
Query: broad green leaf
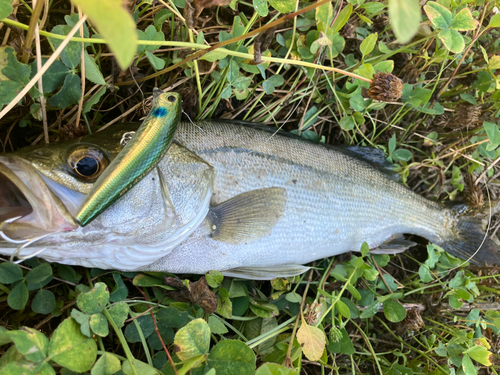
274	369
119	313
401	155
193	339
215	55
147	281
4	60
161	16
215	278
312	340
69	348
468	366
481	354
372	8
95	300
261	7
283	6
440	16
92	71
368	44
10	355
114	22
5	8
357	102
10	273
452	40
463	21
370	310
495	21
141	367
233	71
324	16
404	16
14	70
216	325
343	309
156	62
386	66
172	317
44	302
394	311
53	78
72	53
230	357
493	132
344	345
258	327
144	323
347	123
108	364
39	274
494	62
69	94
86	108
120	291
99	324
149	34
342	18
27	368
18	296
30	343
264	310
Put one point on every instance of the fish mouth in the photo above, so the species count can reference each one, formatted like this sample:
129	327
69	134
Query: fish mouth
28	206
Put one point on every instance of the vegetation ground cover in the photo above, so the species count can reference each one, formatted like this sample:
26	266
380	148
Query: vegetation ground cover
303	67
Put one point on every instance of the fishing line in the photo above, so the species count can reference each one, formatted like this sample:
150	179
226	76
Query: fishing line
191	121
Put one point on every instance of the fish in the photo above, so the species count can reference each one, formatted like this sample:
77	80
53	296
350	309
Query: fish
139	156
244	200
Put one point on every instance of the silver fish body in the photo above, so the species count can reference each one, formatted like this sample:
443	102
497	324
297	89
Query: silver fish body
246	202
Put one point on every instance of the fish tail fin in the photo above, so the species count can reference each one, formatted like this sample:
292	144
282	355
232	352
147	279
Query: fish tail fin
469	239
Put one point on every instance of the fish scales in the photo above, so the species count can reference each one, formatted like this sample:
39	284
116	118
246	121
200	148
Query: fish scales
335	202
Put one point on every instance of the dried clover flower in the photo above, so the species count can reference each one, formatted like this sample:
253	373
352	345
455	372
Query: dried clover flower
386	87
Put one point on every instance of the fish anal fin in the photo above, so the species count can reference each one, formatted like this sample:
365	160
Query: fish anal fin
247	217
393	246
266	273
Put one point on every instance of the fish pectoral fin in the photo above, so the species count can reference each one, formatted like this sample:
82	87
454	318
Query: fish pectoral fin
266	273
247	217
393	246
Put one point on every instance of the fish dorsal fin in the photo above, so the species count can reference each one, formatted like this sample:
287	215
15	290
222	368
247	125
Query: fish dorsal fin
393	246
266	273
247	217
373	156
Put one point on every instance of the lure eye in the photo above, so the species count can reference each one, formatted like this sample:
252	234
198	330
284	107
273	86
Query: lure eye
88	163
171	98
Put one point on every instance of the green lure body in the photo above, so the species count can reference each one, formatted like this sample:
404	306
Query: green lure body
139	156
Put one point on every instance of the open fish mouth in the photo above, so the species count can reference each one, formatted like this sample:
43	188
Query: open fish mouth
29	208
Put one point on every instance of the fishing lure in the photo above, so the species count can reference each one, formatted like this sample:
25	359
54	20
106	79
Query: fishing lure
138	157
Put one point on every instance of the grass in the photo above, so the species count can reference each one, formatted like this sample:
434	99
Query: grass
421	312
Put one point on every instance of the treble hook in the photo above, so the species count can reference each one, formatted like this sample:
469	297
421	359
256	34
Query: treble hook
25	243
4	236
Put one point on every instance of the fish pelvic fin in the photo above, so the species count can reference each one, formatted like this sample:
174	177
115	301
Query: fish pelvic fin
247	217
266	273
469	240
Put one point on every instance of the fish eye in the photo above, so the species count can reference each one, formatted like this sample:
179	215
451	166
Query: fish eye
171	98
87	163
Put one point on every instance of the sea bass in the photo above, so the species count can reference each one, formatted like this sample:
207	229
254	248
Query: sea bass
226	197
